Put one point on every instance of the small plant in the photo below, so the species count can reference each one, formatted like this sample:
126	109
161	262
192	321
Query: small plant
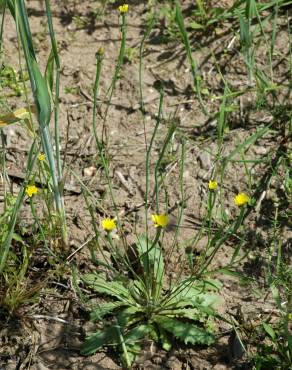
276	350
144	306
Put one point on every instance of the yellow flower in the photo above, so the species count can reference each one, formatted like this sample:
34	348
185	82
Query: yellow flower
31	190
100	51
41	157
124	8
108	224
160	220
241	199
213	185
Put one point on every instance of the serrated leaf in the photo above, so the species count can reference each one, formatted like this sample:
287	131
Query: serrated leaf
196	293
104	309
113	288
187	333
188	313
98	340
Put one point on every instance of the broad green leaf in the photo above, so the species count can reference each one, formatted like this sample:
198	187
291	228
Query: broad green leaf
196	293
112	288
152	261
18	238
269	330
98	340
187	333
137	333
41	93
128	316
104	309
195	25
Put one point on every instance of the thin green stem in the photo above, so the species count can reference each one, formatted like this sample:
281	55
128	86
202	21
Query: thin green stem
116	74
57	89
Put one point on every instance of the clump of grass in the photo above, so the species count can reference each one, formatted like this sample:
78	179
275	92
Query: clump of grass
43	94
42	97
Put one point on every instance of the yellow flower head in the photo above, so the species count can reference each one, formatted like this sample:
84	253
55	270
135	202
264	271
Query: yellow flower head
160	220
213	185
241	199
41	157
31	190
108	224
124	8
100	51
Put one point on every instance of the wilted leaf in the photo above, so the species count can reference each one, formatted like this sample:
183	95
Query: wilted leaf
16	116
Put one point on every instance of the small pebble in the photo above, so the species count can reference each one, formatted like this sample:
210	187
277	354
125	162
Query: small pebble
89	171
205	160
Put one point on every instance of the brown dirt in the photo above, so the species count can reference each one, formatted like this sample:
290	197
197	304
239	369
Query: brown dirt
48	333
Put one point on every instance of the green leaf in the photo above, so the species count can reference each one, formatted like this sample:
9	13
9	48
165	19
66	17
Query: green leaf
104	309
249	141
18	238
128	316
151	259
245	35
98	340
164	339
187	333
131	341
49	73
112	288
188	313
129	357
195	25
269	330
137	333
196	293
